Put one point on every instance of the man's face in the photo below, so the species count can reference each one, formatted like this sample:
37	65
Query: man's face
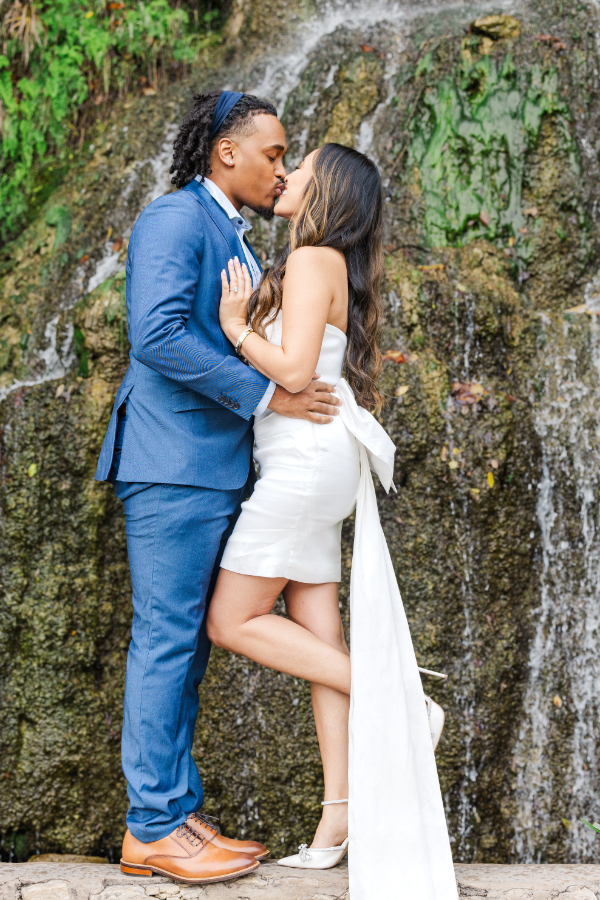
256	178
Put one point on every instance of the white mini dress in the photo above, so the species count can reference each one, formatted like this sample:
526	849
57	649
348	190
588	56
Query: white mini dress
311	478
309	474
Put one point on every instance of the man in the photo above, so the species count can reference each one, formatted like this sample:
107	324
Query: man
178	450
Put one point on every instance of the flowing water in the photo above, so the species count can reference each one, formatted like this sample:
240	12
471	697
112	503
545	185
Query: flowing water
564	665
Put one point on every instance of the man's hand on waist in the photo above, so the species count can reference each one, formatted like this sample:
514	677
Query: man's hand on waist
316	403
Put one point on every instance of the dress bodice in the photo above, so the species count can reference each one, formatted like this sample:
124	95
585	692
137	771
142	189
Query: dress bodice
333	349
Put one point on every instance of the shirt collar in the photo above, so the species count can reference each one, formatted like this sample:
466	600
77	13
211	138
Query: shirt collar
225	203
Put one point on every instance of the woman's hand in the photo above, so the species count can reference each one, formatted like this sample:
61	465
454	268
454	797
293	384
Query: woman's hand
235	294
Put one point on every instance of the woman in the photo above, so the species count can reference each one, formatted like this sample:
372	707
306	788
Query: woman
318	308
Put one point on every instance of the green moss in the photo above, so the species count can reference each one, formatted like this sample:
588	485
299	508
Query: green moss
469	143
60	217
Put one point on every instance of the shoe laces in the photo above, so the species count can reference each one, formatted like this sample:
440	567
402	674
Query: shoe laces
195	839
206	820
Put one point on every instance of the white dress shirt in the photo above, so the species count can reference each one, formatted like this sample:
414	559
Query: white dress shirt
241	226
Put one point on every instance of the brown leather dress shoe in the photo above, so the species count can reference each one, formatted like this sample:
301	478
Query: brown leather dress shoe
203	826
184	856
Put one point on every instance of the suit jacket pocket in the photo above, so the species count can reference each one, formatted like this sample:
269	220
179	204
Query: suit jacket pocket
184	399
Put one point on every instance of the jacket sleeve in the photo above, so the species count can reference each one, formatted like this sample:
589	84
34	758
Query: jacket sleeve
163	269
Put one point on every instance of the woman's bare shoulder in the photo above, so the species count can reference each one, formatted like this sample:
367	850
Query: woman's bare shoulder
325	259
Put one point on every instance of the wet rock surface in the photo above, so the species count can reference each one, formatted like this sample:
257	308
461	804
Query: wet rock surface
486	134
60	882
68	882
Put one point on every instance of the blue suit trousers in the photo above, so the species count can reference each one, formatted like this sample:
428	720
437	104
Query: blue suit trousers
176	535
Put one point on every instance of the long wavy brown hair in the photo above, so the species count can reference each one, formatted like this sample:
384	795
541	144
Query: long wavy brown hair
342	207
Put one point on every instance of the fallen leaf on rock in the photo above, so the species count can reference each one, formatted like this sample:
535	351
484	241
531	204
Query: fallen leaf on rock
395	356
444	454
460	287
467	392
399	520
557	44
490	479
59	390
148	92
434	267
494	464
510	398
453	464
475	492
576	310
523	230
456	451
567	824
117	244
366	48
511	242
531	211
32	470
557	701
484	218
401	390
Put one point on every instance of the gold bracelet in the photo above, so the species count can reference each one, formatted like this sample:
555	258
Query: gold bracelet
241	339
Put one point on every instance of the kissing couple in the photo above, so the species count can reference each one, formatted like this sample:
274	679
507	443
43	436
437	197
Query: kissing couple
226	359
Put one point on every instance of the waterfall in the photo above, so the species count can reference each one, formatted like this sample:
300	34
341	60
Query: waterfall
530	720
564	666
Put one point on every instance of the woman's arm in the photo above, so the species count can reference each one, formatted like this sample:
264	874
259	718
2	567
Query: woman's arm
308	291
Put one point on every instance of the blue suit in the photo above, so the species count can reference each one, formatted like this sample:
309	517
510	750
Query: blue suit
180	460
189	398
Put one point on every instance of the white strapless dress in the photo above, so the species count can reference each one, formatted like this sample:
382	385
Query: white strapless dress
311	478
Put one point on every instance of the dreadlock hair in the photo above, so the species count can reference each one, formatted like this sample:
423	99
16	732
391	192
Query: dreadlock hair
193	146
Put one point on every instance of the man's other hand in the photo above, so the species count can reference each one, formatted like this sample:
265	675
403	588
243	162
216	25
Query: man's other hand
316	402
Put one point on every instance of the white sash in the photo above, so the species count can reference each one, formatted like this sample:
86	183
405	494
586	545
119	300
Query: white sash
399	845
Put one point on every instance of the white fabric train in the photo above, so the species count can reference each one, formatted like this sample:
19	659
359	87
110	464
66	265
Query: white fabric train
399	846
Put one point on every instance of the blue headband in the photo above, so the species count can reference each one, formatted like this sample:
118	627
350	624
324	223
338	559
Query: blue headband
225	104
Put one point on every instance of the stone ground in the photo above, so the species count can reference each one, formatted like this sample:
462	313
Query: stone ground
64	881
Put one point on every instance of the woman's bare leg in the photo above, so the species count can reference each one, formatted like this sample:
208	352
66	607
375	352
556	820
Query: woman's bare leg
239	620
315	607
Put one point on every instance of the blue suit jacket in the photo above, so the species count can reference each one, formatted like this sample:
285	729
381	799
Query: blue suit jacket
190	399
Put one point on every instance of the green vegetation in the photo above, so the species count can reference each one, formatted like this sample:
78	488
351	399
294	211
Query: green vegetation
469	145
61	63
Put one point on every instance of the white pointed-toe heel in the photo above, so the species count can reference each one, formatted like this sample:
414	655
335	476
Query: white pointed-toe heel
435	713
316	857
437	717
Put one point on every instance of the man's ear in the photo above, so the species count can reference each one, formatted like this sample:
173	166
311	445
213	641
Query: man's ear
226	151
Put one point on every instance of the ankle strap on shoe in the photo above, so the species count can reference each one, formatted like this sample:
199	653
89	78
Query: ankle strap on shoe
331	802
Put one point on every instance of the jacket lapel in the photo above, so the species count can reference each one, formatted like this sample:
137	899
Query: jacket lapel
220	218
217	214
251	248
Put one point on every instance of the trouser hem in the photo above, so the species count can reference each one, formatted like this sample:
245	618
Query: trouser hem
141	833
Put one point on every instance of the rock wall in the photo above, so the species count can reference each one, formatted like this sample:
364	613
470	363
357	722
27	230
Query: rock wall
483	118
